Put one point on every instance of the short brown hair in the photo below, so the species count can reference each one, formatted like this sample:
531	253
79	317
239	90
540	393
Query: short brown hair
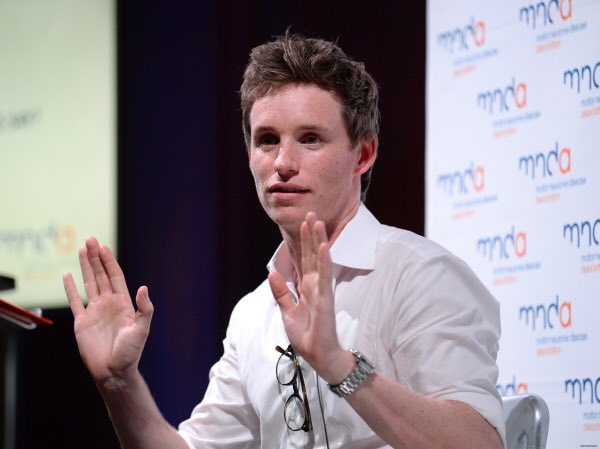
292	58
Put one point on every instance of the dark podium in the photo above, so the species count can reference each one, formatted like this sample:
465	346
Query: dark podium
13	319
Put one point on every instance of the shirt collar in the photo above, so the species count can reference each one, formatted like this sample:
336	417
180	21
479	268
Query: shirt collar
354	248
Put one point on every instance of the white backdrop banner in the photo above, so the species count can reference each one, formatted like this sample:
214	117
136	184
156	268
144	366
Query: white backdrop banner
513	187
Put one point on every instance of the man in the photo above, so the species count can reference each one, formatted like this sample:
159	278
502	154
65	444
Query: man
422	329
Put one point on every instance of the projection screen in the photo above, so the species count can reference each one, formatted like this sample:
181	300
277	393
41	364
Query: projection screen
57	140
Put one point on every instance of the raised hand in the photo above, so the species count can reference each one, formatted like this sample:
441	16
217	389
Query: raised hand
310	325
110	333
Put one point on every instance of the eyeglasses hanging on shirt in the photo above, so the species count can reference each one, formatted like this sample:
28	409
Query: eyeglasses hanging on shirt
296	412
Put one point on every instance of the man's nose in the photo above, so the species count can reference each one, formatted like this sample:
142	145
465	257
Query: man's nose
286	162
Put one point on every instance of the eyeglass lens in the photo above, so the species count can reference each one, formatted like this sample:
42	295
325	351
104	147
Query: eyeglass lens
286	368
295	411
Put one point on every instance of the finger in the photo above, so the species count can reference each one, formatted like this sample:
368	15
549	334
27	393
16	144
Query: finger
306	248
115	274
89	280
281	293
145	308
324	269
93	251
311	219
321	233
73	295
324	264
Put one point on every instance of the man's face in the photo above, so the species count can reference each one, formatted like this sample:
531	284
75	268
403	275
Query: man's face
301	157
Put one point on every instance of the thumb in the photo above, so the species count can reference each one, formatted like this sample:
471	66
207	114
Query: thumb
145	309
280	292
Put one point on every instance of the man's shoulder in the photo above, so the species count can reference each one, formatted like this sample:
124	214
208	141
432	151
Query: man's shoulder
256	300
252	312
395	242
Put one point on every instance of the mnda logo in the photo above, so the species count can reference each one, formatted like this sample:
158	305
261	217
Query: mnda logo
501	99
512	388
460	38
503	246
61	239
576	232
578	387
461	182
533	13
546	163
547	315
576	77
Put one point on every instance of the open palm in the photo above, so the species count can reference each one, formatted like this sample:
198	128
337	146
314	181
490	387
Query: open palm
310	325
110	333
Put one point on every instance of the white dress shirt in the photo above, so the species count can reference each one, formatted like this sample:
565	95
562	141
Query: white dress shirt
413	309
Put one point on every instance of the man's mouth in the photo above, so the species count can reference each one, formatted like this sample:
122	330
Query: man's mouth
287	188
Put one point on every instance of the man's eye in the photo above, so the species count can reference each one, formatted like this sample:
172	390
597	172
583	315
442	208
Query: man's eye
267	140
311	139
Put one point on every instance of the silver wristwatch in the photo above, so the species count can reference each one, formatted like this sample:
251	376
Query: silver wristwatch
358	375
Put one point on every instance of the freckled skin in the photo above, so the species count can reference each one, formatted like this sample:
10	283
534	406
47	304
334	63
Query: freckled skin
298	136
304	169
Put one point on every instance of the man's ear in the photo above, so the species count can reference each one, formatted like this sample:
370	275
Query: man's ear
367	153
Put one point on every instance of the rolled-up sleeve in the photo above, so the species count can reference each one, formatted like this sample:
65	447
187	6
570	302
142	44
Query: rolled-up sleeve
447	332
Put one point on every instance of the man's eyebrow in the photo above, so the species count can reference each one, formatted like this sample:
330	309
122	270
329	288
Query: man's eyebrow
313	127
261	129
306	127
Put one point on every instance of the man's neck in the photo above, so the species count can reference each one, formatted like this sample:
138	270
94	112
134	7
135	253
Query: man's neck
293	241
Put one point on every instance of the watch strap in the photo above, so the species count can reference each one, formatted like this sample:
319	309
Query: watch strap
364	368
